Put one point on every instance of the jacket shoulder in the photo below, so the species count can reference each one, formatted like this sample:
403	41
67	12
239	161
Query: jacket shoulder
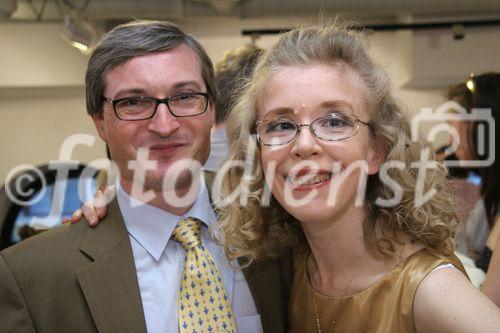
47	248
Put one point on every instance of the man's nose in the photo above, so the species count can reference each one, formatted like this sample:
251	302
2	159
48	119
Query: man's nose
163	123
306	146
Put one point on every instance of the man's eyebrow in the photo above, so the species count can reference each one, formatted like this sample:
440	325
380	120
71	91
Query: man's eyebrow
135	91
184	84
142	92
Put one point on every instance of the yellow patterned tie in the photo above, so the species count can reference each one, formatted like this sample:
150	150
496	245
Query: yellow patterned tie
203	303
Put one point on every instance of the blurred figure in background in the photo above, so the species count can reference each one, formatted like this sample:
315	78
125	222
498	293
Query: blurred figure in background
477	189
231	71
466	182
485	93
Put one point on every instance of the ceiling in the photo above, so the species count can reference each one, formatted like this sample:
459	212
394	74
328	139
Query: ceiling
386	11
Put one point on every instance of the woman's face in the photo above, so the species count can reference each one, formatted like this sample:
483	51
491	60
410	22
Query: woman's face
305	174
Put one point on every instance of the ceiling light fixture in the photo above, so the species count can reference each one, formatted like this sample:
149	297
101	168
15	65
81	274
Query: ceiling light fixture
78	31
470	83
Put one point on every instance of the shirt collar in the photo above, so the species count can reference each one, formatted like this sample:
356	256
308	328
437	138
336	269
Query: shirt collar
152	227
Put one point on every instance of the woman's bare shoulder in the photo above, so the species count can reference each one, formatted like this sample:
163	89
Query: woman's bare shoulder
446	301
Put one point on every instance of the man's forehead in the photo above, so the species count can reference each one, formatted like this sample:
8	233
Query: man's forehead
173	58
178	67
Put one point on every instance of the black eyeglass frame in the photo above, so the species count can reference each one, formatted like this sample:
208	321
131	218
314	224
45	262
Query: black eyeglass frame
158	102
357	121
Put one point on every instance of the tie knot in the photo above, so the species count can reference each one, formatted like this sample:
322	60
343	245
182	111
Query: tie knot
187	233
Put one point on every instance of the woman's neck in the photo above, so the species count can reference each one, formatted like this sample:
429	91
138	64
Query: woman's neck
337	247
340	262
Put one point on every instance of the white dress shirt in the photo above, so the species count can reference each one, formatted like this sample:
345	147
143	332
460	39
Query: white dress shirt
159	261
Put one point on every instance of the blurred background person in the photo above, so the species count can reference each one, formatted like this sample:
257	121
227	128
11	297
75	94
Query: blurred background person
231	71
466	182
476	189
485	93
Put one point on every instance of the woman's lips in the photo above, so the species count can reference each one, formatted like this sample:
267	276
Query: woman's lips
308	182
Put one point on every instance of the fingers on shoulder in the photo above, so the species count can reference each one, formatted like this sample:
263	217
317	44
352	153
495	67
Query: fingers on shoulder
89	211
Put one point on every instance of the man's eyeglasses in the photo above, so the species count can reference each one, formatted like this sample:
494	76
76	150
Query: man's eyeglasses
140	108
335	126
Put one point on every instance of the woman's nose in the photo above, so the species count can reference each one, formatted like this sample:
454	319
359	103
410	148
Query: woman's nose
305	145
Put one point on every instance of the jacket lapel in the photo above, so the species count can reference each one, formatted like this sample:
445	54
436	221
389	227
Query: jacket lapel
109	284
269	282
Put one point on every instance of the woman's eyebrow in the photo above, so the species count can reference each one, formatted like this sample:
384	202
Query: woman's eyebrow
279	112
288	111
336	104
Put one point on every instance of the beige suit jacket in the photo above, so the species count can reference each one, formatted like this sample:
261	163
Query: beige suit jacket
80	279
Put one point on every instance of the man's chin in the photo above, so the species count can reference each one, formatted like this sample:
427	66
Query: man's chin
148	183
169	180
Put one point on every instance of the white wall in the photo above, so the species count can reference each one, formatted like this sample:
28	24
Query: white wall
33	129
41	96
34	55
41	83
438	58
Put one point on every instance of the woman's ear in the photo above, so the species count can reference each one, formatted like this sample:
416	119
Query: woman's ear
376	156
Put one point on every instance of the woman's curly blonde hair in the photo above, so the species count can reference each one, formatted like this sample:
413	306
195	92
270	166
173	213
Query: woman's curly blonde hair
252	231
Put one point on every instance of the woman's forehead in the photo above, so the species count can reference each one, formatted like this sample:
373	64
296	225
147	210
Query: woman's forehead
318	86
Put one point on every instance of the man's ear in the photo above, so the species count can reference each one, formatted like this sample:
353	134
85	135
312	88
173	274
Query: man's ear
99	125
211	110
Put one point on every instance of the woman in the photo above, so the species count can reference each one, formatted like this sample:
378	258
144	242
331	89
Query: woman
318	106
324	118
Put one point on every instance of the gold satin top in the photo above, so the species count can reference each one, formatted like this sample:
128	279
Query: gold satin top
384	307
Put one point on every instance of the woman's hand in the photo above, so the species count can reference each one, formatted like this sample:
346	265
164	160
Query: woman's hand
93	210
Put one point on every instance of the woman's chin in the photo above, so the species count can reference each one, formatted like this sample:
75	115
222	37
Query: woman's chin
312	212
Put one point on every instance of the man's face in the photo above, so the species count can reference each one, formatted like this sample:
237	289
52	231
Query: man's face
167	138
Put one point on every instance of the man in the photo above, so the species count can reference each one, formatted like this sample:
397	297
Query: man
150	92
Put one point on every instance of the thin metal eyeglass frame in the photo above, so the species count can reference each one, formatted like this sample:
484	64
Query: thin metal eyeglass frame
158	102
300	126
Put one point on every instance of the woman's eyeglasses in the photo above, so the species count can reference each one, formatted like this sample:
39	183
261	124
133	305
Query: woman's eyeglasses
335	126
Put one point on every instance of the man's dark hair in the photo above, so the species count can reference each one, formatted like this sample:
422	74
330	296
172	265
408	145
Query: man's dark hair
134	39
